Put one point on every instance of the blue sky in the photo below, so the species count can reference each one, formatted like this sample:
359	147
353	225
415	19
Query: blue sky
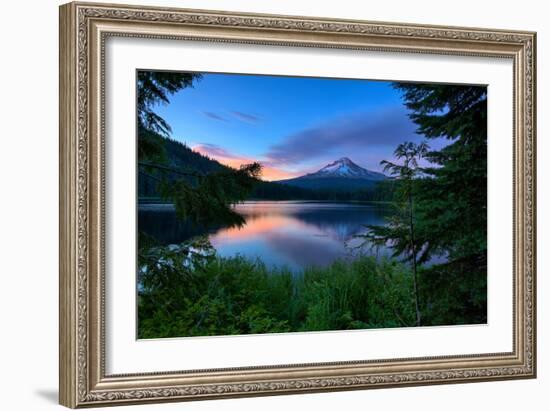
292	125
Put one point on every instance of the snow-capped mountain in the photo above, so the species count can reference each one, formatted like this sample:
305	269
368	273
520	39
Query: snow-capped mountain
344	167
342	174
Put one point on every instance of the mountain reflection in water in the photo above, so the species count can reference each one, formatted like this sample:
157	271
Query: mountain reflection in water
295	234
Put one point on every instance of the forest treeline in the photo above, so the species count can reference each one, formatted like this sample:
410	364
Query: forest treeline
181	158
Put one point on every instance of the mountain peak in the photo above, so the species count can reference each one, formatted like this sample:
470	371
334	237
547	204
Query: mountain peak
342	174
344	167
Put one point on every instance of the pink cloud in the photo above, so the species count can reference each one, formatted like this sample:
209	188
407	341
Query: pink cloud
269	171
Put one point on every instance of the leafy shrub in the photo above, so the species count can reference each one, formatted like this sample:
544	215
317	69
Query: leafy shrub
183	292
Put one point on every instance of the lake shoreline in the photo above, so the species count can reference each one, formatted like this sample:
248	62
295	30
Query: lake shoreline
160	202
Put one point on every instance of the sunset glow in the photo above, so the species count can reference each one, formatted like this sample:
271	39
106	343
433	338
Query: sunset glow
287	124
262	225
269	172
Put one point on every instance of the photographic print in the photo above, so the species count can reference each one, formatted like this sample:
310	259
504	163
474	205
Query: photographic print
278	204
298	205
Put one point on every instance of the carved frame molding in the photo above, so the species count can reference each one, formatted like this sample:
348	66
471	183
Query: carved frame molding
83	30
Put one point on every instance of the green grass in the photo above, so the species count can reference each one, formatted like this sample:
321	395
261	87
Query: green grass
186	295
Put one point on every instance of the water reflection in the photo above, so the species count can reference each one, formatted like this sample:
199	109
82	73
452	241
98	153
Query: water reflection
290	233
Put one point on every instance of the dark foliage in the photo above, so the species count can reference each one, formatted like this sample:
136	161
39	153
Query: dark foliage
453	202
206	198
202	190
455	292
400	232
154	87
450	202
191	294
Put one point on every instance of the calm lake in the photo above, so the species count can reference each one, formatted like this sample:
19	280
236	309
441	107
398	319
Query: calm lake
296	234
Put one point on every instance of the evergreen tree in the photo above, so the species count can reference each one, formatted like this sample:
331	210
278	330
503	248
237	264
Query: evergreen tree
446	209
206	199
154	88
451	203
401	228
198	195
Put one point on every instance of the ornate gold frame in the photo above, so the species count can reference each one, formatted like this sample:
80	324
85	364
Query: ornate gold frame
83	30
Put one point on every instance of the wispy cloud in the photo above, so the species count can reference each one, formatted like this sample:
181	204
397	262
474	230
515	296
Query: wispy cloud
224	156
246	117
214	151
214	116
353	132
239	115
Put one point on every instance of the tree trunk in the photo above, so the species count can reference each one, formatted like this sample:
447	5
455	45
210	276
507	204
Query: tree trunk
413	251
